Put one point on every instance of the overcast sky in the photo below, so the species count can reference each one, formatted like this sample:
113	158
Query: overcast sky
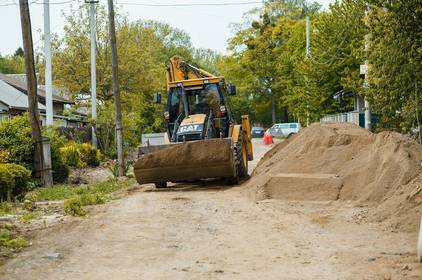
208	26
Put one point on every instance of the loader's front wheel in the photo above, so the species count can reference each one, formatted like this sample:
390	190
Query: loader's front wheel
241	161
161	185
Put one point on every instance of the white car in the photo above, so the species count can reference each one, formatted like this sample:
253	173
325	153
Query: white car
284	129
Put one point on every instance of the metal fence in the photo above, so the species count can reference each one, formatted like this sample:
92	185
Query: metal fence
351	117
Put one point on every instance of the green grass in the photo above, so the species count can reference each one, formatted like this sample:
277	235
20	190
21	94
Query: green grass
6	208
78	196
62	192
75	198
27	217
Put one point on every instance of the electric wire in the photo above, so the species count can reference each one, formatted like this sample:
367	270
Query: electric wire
189	4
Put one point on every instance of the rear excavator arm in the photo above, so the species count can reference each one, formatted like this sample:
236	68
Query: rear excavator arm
178	70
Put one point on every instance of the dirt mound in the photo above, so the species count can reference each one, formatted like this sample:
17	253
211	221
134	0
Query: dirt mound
343	161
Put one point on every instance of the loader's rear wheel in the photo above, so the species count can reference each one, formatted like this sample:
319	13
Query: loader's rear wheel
161	185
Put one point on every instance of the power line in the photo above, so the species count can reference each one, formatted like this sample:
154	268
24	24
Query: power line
54	3
190	4
39	3
9	4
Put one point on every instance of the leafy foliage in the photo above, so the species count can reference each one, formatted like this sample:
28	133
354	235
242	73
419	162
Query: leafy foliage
15	138
395	55
14	180
13	64
73	207
7	240
80	155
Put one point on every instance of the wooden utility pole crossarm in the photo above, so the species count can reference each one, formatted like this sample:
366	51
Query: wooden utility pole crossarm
115	86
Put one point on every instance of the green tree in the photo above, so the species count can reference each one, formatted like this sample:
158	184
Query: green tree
395	56
257	47
13	64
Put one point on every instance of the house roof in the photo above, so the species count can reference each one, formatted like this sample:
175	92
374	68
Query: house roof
13	98
19	82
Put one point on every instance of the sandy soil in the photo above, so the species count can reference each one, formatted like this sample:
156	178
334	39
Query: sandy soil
213	232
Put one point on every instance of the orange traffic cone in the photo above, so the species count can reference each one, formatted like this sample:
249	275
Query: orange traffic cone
268	139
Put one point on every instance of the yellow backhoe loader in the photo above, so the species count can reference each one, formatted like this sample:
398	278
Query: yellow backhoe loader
203	140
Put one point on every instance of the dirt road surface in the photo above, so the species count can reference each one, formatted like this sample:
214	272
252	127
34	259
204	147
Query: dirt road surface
210	231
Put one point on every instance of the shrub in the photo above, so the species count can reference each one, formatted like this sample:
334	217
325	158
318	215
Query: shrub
80	155
73	206
15	138
14	180
60	168
92	199
16	146
71	155
7	240
90	155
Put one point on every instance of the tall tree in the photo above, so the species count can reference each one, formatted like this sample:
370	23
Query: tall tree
395	56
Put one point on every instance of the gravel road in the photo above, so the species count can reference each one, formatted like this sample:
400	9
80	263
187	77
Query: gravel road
209	231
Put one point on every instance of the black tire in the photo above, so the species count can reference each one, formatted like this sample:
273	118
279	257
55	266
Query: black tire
242	167
241	161
161	185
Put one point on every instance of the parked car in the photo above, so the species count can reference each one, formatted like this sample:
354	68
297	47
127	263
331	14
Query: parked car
257	132
284	129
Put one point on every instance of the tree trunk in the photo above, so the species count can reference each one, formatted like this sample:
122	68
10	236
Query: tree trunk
273	108
285	115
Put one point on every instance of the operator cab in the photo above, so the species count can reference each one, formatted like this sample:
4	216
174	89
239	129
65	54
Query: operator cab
207	113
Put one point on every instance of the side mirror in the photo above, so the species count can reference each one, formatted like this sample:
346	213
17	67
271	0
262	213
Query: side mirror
232	89
157	98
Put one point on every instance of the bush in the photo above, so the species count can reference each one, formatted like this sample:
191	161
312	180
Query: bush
73	206
16	146
60	168
92	199
14	180
80	155
90	155
6	240
15	138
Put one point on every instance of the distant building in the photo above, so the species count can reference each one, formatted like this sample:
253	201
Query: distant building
14	101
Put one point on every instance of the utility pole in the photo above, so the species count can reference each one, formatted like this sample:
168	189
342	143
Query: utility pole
93	69
368	124
308	55
115	86
31	82
47	50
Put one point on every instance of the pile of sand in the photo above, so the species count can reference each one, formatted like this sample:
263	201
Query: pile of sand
341	161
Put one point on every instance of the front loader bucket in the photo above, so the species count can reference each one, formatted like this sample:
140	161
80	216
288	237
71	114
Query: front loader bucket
187	161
